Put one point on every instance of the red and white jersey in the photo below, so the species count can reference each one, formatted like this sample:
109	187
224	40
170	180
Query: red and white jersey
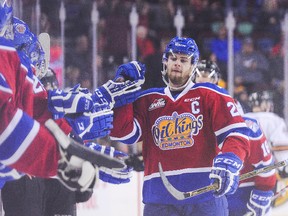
25	143
184	132
260	156
275	130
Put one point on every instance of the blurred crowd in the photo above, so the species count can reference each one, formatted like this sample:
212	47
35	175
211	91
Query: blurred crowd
258	53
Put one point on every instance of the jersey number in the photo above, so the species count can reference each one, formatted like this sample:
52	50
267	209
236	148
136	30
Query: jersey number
233	109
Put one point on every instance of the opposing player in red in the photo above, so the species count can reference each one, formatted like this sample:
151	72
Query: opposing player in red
253	197
180	126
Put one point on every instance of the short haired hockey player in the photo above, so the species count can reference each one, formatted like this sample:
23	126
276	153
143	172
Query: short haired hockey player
180	126
254	195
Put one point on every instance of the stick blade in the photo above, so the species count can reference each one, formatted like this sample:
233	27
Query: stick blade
44	40
170	188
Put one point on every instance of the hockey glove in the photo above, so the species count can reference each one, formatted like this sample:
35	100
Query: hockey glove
135	161
113	176
8	174
130	71
225	171
76	100
91	125
259	203
283	172
118	94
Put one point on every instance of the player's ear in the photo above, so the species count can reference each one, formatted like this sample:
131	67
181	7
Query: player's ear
165	62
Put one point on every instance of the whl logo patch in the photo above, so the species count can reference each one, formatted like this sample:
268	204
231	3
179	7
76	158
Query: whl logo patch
157	103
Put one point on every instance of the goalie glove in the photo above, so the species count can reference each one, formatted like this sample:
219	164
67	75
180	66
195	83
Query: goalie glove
118	94
73	172
259	203
225	171
91	125
76	100
132	71
113	176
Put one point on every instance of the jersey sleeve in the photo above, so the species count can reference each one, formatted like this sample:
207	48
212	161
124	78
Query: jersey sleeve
25	144
126	128
228	125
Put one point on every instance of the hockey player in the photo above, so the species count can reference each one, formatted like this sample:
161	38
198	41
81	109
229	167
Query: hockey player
179	126
276	132
30	46
253	195
26	144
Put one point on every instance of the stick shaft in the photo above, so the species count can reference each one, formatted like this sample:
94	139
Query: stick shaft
242	177
279	148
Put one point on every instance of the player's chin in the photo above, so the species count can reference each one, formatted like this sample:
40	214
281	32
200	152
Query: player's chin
177	81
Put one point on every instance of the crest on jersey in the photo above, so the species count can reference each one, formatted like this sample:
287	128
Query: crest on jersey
176	131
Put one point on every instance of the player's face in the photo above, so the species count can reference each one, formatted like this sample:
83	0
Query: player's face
179	69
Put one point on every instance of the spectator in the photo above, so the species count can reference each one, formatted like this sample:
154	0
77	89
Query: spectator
153	77
144	43
219	47
115	30
72	76
163	17
80	56
251	68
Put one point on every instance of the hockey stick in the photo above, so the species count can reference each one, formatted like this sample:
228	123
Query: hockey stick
279	193
279	148
79	150
179	195
44	40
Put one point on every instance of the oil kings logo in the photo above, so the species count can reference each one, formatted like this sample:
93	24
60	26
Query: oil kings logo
157	103
176	131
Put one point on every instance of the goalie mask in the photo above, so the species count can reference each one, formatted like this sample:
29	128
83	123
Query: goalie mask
28	42
180	45
261	101
206	71
6	13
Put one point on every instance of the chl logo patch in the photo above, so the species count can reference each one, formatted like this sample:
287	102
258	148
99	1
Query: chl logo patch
20	28
157	103
176	131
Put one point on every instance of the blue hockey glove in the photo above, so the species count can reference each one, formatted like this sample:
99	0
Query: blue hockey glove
259	203
117	94
132	71
225	171
91	125
8	174
76	100
113	176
